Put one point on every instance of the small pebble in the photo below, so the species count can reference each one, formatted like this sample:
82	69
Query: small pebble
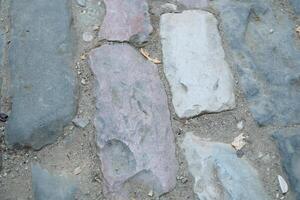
81	3
77	171
87	36
150	194
240	125
80	122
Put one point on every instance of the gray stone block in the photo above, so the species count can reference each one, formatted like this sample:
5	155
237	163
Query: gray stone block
288	141
219	173
43	85
262	44
46	186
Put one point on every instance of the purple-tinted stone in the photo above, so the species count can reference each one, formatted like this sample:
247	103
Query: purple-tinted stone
194	3
134	134
126	20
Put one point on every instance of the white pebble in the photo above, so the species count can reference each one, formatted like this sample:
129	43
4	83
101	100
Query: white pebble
87	36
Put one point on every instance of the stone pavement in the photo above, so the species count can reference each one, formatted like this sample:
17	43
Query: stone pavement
136	99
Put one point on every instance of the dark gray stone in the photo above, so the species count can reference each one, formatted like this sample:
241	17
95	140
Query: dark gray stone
43	85
46	186
288	141
262	43
296	5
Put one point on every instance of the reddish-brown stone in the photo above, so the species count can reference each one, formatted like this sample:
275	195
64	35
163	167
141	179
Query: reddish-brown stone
126	20
134	134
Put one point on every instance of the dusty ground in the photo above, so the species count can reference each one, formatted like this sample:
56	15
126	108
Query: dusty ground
77	148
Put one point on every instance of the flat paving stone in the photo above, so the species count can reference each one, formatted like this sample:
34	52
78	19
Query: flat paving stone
288	141
263	45
43	85
134	134
194	63
126	20
219	173
194	3
46	186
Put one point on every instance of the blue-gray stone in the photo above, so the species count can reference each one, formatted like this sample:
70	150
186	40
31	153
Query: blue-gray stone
46	186
262	43
43	85
296	5
288	141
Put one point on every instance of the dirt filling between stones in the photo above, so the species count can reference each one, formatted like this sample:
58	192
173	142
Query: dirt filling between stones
77	149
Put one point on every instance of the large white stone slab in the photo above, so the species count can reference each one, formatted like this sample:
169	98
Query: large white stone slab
194	63
219	173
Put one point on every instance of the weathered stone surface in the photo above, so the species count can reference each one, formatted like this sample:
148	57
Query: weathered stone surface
134	134
195	65
42	81
194	3
219	173
262	43
126	20
1	47
288	141
296	5
46	186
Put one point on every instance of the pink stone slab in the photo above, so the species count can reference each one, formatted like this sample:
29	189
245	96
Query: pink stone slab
125	19
132	120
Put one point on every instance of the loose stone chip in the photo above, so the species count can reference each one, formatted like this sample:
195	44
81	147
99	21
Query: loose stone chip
239	142
283	185
147	55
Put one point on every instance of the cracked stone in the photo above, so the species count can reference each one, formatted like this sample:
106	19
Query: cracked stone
218	173
43	85
194	63
288	142
134	134
126	20
51	187
267	63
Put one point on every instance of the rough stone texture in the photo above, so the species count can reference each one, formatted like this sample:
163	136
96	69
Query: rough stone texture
263	45
1	47
42	81
46	186
194	3
296	5
134	134
158	8
200	78
126	20
1	60
288	141
219	173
